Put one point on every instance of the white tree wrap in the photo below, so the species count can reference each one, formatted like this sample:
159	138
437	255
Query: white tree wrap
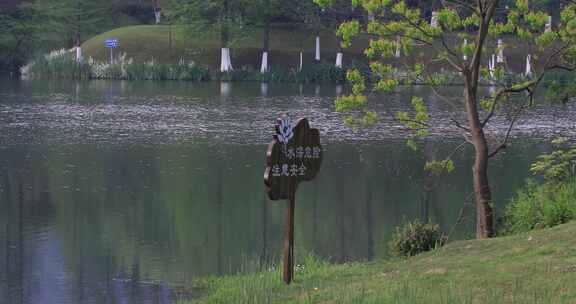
157	16
225	62
317	48
264	65
528	71
500	57
339	57
434	19
492	66
78	54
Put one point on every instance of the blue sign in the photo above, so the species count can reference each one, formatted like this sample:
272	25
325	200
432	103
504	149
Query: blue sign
112	43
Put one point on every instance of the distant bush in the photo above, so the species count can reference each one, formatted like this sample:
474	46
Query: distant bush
241	74
550	203
276	75
540	206
317	73
320	73
416	237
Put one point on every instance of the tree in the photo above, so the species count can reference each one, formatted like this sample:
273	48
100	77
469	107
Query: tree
157	10
72	20
21	33
397	24
334	14
75	19
262	12
223	16
307	15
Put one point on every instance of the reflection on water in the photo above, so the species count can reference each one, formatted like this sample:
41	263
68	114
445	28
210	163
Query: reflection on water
116	192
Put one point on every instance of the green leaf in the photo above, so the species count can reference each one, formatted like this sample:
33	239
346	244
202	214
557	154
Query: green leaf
438	167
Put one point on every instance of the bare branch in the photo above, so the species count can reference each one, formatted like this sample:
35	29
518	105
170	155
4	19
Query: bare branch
450	51
462	4
504	143
457	124
515	89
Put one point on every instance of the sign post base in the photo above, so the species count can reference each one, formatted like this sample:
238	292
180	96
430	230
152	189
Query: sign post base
289	241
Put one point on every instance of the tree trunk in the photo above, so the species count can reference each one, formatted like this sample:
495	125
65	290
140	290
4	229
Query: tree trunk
225	61
78	46
224	35
157	11
482	194
483	197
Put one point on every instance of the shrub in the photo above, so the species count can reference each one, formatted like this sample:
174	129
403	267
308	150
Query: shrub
416	237
321	73
550	203
540	206
275	75
242	74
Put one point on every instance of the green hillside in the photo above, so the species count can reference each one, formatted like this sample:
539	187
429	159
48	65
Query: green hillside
168	44
536	267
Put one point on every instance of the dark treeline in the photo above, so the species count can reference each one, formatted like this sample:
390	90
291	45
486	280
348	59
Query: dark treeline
36	26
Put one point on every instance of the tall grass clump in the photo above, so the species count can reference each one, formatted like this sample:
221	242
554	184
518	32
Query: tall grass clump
416	237
62	64
127	69
550	202
57	64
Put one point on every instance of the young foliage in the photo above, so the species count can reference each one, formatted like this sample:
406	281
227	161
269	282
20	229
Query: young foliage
558	165
464	36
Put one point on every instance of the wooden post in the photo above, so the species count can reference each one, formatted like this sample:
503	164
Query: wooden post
295	155
289	241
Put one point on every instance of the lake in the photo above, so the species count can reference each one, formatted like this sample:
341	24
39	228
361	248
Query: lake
122	192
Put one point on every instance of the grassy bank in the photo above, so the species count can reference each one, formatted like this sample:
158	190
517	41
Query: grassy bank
163	52
167	44
534	267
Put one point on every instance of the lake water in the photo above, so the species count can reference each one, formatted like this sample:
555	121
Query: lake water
125	192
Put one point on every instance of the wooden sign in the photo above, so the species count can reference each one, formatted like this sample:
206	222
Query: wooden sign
295	155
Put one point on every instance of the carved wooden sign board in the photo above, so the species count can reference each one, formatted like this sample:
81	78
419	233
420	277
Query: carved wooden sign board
293	156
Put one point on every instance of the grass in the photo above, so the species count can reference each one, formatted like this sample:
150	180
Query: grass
144	42
534	267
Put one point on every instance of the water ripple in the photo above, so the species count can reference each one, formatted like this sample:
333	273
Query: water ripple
55	119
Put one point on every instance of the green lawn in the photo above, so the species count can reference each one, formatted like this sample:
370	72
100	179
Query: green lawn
536	267
144	42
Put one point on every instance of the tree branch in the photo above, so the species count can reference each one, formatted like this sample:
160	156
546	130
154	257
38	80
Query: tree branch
503	144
